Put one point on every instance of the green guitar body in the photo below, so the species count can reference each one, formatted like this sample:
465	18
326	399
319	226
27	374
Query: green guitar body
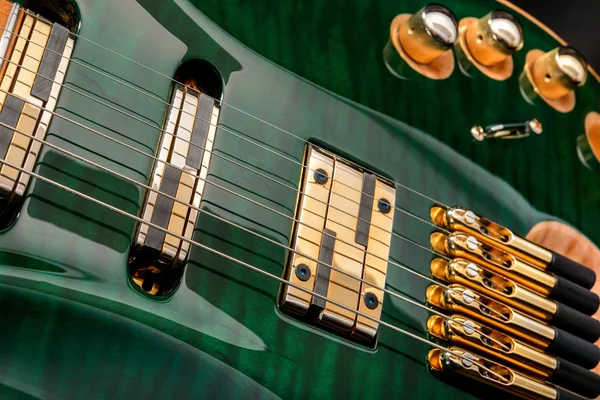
74	326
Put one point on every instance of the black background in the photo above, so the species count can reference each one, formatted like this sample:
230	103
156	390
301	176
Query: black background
576	21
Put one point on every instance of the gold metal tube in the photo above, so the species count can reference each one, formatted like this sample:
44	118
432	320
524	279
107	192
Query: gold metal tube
458	219
461	245
460	300
461	331
494	285
467	364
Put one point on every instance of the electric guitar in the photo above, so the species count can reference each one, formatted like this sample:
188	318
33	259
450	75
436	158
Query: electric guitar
279	199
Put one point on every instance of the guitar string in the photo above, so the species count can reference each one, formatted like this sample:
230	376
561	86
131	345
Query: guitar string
402	237
146	93
293	219
64	86
191	206
235	134
272	241
395	234
245	264
407	188
297	190
403	267
99	166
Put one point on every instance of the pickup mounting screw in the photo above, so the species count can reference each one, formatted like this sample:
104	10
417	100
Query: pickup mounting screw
370	301
384	206
302	272
321	176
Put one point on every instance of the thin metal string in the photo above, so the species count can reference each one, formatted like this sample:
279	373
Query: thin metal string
245	264
257	203
435	252
146	93
389	261
64	86
191	206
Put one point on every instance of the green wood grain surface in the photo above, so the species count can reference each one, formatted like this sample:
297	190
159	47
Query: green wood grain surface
75	327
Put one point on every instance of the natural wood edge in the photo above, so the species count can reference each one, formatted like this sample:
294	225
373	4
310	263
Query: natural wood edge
571	243
592	121
544	27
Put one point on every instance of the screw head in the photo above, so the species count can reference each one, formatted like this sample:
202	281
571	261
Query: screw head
535	126
469	327
303	272
384	206
467	360
470	217
472	270
321	176
468	296
472	243
370	300
478	133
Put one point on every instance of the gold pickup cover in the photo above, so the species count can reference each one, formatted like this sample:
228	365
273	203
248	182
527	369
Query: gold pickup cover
184	152
34	63
345	219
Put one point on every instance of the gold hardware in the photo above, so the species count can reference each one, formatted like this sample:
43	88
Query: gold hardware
494	37
462	220
428	33
559	71
467	364
552	77
486	45
507	131
461	245
460	300
493	285
186	143
461	331
421	43
23	105
345	219
312	211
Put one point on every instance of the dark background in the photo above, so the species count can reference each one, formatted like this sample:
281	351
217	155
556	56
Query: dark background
576	21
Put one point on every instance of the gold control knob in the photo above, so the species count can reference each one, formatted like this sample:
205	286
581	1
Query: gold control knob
553	76
422	42
428	33
559	72
487	44
494	37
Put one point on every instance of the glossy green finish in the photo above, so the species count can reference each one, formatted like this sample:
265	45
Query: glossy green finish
73	325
